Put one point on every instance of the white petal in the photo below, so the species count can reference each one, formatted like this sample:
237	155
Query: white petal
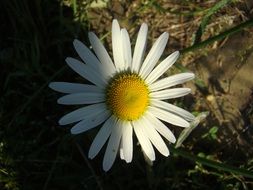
154	55
86	72
170	93
81	98
140	47
121	153
82	113
160	127
86	55
171	81
169	117
126	47
101	137
162	67
127	141
117	46
143	139
101	52
90	123
173	109
67	87
155	138
112	147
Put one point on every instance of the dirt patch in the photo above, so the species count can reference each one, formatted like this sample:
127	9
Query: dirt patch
225	67
227	71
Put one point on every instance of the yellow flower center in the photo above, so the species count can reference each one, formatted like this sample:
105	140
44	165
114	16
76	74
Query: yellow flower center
127	96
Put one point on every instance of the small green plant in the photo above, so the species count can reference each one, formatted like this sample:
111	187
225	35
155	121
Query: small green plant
211	134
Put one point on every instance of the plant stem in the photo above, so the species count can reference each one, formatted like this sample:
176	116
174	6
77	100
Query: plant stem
227	33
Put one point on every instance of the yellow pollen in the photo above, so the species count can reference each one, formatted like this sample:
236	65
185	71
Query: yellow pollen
127	96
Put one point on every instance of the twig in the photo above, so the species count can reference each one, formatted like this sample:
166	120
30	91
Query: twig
49	177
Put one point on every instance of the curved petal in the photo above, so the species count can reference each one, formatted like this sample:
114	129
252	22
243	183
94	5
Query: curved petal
101	137
154	55
81	98
171	81
82	113
169	117
155	138
140	48
160	127
101	52
86	72
170	93
173	109
91	60
112	147
143	139
67	87
117	46
90	123
162	67
86	55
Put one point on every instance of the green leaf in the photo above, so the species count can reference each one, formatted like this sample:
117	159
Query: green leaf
207	17
214	130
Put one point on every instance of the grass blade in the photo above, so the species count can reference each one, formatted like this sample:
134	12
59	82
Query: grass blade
187	131
207	18
225	34
213	164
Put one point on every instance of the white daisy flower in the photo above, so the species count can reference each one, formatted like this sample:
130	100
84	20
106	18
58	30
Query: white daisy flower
125	95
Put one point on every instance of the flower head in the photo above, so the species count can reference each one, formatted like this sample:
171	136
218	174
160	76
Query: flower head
125	95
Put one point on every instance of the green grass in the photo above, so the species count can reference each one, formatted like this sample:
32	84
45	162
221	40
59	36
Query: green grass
35	153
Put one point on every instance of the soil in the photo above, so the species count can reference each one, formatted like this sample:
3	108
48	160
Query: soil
227	72
224	67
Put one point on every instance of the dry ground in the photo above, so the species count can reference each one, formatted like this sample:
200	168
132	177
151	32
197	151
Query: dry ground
224	68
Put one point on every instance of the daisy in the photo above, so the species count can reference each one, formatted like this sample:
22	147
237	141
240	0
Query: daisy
126	96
